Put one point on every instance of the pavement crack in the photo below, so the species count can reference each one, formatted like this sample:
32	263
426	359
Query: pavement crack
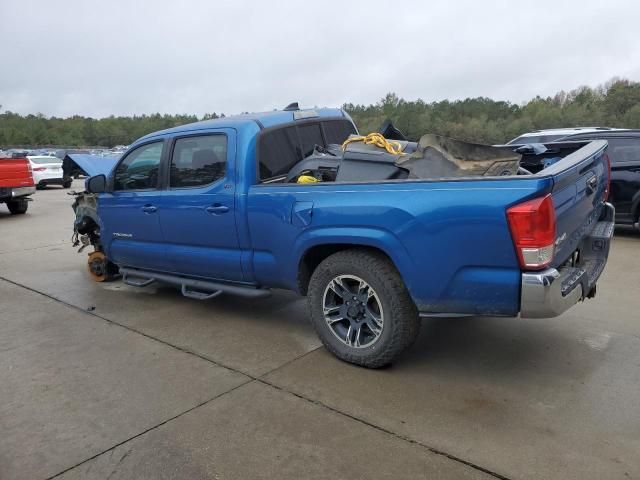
113	447
131	329
379	428
61	242
250	378
125	455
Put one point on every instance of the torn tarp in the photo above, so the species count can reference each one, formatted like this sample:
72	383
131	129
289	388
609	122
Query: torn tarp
443	157
75	164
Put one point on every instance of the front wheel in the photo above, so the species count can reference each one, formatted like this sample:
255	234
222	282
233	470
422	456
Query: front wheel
361	309
18	206
100	268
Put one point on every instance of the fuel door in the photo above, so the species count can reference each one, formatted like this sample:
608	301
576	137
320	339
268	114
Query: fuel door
301	214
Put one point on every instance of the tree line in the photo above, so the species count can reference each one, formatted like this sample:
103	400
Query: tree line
613	104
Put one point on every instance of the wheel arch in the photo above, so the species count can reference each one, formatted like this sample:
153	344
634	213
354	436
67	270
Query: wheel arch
321	247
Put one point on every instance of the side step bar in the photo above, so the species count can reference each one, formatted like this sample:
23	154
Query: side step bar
192	288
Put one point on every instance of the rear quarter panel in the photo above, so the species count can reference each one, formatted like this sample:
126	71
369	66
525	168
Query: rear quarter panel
449	239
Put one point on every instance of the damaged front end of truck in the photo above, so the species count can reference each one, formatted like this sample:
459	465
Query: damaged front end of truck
87	225
86	234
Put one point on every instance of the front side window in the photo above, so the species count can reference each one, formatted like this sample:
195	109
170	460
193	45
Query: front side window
139	169
198	161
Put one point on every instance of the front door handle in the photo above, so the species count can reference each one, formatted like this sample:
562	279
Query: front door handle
217	209
149	209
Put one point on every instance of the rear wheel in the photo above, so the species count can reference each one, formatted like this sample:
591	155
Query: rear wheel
361	309
66	184
19	206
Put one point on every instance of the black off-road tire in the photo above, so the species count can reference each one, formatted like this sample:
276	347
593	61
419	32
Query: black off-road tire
401	321
18	207
67	184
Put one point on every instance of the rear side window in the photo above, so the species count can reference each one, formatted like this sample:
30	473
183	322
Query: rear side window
310	136
280	149
198	161
624	149
139	169
337	131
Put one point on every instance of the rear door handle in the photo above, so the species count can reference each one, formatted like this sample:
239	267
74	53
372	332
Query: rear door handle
149	209
217	209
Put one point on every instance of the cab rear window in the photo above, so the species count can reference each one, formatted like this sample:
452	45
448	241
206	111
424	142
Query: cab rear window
281	148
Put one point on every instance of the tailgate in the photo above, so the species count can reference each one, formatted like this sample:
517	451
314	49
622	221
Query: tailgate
15	172
584	222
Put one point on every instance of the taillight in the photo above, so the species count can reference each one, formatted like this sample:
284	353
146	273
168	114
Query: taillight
608	188
533	228
39	169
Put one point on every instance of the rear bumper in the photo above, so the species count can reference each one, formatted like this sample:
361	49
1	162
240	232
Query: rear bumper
542	294
51	181
10	193
551	292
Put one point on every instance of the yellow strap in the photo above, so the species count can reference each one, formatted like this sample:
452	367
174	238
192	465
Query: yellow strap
307	179
391	146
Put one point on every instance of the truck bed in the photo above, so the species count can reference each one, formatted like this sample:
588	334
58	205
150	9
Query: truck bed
449	237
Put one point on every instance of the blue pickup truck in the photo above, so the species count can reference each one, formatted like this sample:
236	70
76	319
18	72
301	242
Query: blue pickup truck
274	200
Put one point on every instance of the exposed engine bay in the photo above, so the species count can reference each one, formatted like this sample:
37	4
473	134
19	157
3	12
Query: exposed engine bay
86	232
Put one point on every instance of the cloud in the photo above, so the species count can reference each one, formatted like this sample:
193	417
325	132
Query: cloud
100	58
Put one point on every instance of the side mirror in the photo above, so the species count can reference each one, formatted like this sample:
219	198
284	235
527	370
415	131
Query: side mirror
96	184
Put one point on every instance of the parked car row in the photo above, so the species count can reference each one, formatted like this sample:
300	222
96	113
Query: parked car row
20	176
624	155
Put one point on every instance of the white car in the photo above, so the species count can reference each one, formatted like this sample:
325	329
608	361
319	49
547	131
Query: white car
47	171
553	134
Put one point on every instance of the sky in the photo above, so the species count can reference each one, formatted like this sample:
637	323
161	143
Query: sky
126	57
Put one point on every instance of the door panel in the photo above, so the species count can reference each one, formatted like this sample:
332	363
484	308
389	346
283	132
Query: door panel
198	211
130	215
132	234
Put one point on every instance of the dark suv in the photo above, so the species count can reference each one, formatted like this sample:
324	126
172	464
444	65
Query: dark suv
624	153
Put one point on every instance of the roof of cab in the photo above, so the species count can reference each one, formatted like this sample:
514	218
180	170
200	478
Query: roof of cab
261	119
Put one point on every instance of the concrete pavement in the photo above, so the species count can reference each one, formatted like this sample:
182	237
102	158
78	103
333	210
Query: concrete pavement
105	380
